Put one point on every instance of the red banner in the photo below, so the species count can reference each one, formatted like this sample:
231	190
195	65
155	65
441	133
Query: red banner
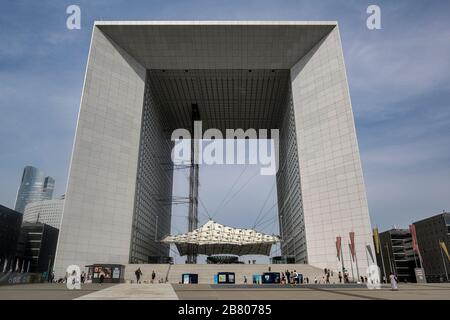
352	243
412	229
338	247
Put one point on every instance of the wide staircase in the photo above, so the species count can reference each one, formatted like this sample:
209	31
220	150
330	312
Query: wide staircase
206	272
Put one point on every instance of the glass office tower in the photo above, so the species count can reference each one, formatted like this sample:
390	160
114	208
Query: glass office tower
33	187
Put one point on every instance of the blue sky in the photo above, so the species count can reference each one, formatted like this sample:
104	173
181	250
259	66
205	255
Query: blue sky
399	80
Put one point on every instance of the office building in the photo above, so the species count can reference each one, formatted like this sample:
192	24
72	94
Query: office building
34	186
37	245
430	232
45	211
10	222
398	255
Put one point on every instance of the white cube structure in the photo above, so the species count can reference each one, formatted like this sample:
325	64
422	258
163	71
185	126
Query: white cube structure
142	78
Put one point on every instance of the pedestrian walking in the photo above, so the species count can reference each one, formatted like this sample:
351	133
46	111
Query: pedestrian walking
153	276
295	275
102	276
138	274
393	280
51	277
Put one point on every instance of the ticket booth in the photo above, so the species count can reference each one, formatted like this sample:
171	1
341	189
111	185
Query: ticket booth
106	273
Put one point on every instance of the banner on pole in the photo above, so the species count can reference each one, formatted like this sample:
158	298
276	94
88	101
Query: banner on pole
338	247
412	229
351	254
352	244
376	237
369	250
444	248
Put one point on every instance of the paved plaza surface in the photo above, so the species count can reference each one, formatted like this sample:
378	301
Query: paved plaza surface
127	291
47	291
315	292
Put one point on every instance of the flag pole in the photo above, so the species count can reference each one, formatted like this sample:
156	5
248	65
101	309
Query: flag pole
390	262
367	255
351	264
379	247
357	268
443	260
382	262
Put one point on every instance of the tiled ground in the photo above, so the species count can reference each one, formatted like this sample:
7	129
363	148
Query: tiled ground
205	291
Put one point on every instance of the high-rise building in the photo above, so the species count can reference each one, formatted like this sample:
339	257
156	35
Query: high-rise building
45	211
398	255
142	79
430	232
49	186
37	245
10	222
34	186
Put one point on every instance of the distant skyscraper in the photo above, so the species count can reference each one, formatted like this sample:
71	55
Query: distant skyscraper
33	187
49	185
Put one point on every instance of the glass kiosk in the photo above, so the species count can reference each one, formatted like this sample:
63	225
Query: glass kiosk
106	273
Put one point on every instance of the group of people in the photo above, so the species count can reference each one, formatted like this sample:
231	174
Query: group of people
138	274
287	277
343	277
292	277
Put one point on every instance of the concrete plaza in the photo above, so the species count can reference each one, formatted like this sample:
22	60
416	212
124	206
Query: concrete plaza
223	292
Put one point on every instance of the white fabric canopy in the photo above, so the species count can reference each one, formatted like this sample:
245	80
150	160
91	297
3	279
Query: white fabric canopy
215	238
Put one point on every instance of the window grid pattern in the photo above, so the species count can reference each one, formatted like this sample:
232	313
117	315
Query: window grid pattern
152	211
290	205
227	99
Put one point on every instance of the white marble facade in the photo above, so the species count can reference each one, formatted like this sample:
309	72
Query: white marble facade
100	197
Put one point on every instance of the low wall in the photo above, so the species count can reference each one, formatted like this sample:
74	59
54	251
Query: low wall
206	272
8	278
